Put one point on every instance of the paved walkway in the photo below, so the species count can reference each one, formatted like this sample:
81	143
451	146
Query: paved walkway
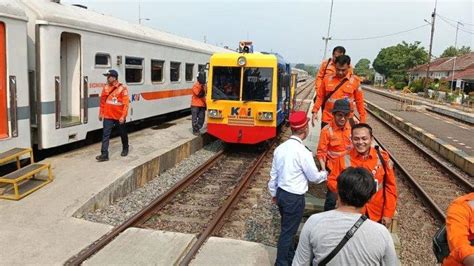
449	130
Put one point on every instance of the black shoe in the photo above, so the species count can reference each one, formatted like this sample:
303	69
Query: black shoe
124	153
102	158
196	133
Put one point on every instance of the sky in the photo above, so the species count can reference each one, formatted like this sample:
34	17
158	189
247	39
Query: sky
295	28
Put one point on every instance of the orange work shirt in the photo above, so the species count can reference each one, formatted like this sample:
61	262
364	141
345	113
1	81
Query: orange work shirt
326	68
114	101
350	90
198	90
334	142
460	229
377	207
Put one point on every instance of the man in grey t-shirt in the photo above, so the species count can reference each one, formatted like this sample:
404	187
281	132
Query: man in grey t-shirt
370	245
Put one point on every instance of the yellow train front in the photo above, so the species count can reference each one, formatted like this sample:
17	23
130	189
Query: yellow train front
248	96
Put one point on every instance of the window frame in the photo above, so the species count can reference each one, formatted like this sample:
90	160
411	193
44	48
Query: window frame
141	67
109	60
162	71
179	72
192	72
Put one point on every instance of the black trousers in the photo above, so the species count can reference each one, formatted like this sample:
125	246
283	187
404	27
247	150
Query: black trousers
108	126
197	117
291	208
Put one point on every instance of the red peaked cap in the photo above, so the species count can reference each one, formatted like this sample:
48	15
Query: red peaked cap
298	120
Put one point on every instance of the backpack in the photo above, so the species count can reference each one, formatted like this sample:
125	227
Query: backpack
440	244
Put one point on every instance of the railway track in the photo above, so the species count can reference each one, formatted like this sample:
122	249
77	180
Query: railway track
201	202
435	182
306	90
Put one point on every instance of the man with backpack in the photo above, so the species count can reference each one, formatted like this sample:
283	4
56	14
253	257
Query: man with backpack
381	207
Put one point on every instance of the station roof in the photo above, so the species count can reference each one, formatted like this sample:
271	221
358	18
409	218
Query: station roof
81	18
446	64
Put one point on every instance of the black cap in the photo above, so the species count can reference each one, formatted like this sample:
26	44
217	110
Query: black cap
112	73
341	105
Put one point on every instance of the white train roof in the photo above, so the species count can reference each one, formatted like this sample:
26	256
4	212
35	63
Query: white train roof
12	9
80	18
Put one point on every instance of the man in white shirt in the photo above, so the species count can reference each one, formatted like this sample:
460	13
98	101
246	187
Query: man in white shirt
292	167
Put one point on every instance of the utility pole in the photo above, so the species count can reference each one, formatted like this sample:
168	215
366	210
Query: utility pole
433	16
140	14
327	38
456	55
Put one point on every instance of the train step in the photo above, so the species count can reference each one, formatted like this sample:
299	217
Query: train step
24	180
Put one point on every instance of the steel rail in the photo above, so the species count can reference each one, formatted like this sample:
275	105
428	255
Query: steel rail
418	188
158	203
225	209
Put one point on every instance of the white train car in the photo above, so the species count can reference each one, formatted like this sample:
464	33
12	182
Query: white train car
69	48
14	105
302	74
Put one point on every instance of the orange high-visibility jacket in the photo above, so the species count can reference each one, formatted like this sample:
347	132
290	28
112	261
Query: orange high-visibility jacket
460	229
114	102
326	68
334	142
351	90
377	207
196	100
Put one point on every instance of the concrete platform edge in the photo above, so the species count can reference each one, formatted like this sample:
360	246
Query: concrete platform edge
140	175
458	115
452	154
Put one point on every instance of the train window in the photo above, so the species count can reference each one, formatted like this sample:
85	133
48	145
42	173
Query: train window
102	60
189	72
226	83
157	70
174	71
201	68
257	84
133	70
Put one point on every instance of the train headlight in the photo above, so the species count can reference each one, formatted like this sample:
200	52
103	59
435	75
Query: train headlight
213	113
241	61
265	116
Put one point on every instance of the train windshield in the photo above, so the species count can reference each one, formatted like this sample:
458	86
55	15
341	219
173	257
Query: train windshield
226	83
257	84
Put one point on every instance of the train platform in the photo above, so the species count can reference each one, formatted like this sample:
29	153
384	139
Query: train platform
448	137
460	113
42	228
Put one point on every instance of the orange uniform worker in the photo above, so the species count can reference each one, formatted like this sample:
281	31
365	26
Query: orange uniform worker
460	231
327	67
335	139
114	101
198	103
341	85
381	206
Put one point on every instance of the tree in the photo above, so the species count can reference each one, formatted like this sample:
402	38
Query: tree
362	67
394	61
452	51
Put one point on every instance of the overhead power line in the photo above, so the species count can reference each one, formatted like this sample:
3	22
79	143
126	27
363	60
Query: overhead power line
454	25
453	20
381	36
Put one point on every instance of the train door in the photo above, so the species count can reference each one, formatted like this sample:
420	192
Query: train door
70	95
3	84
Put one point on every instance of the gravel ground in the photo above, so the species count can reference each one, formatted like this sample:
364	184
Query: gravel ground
135	201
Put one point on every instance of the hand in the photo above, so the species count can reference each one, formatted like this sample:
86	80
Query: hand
100	117
274	200
386	221
122	120
324	174
314	119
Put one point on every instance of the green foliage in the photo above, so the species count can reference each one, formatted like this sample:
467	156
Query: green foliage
308	68
300	66
451	51
362	67
394	61
400	85
416	86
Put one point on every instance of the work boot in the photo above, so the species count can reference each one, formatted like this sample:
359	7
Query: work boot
102	158
124	152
